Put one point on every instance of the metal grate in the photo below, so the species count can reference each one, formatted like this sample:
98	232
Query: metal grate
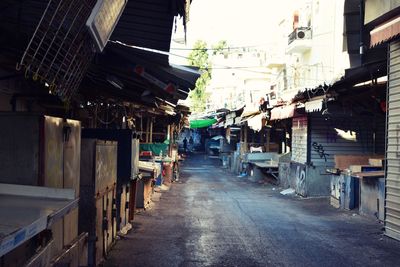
61	48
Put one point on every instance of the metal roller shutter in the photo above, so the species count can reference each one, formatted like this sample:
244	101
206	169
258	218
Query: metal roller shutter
392	199
326	141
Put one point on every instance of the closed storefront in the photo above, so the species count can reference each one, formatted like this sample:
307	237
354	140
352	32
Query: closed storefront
392	199
317	139
341	134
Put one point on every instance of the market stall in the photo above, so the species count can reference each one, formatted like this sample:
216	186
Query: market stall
27	211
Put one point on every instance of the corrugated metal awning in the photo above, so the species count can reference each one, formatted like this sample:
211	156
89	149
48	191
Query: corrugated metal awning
314	105
283	112
385	32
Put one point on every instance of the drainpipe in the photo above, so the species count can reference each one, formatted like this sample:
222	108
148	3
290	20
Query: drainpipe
362	15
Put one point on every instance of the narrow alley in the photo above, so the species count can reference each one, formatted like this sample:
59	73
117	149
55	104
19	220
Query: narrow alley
213	218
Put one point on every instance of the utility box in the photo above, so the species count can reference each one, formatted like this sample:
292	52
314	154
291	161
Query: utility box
97	210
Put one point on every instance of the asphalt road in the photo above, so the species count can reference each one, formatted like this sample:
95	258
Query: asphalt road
213	218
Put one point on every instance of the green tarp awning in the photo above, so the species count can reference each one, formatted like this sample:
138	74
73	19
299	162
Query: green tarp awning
155	148
202	123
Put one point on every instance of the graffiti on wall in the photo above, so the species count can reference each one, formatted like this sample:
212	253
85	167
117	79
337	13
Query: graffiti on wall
298	173
284	174
319	148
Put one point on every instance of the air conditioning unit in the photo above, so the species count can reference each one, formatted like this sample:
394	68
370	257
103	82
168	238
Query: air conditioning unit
303	34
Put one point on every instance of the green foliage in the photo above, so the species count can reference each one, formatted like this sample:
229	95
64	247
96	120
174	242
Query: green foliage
199	57
219	48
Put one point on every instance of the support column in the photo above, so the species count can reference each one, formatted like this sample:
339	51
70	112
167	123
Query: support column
245	149
147	130
151	131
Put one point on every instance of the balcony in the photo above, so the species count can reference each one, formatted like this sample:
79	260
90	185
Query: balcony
299	40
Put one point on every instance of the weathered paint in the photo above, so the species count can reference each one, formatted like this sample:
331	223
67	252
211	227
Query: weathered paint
284	175
317	182
371	201
336	185
298	174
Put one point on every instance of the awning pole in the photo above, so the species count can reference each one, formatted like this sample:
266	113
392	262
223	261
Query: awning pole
170	137
268	139
147	130
151	131
245	139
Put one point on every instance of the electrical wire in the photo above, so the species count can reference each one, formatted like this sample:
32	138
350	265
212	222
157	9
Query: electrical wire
222	48
218	65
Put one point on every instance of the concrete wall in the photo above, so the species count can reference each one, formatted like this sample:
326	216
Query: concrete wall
317	182
284	175
372	197
308	181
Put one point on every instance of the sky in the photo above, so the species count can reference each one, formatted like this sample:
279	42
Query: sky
240	23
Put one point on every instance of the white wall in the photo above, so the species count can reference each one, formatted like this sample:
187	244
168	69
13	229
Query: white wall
239	78
325	61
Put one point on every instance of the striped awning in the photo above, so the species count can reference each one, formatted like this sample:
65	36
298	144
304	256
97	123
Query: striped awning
283	112
314	105
385	32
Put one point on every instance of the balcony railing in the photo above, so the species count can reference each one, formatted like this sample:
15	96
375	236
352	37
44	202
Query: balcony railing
301	33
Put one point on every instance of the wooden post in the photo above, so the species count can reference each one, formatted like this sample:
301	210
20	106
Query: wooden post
245	139
151	131
262	135
147	130
170	138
